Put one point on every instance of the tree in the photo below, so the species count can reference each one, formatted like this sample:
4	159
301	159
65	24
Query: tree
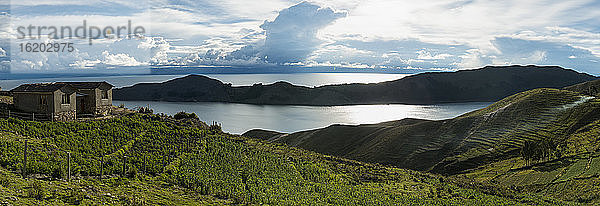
540	150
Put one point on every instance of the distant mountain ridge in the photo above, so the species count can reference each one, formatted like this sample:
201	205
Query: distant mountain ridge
490	83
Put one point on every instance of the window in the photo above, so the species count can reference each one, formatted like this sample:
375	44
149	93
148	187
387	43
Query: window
66	99
104	94
43	100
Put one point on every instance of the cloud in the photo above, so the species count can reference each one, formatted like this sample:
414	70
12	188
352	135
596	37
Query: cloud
292	36
389	53
103	53
230	10
120	60
521	51
463	21
475	25
473	58
423	54
563	35
74	8
547	53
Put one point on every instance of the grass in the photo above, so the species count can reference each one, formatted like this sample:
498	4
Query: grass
575	176
18	191
483	146
594	168
193	165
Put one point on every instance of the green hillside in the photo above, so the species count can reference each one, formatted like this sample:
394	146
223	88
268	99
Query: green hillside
591	88
543	141
452	146
574	175
170	162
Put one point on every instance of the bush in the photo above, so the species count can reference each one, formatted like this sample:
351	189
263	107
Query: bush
145	110
5	181
133	173
36	190
57	172
74	197
184	115
133	200
215	127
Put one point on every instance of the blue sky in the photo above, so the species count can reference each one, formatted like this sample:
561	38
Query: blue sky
389	34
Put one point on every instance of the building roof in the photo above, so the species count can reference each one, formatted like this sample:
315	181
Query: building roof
41	87
90	85
51	87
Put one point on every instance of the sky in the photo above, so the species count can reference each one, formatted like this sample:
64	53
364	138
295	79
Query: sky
440	35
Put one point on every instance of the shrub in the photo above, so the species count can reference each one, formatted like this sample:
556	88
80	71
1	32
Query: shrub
184	115
5	181
133	173
74	197
145	110
215	127
57	172
36	190
133	200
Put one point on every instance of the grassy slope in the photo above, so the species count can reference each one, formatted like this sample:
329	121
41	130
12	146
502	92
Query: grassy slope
484	145
573	177
195	165
587	88
261	134
465	142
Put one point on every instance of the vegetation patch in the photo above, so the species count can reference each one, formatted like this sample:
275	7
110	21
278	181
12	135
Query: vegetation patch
151	159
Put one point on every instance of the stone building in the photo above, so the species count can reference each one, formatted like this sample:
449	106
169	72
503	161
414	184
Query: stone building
51	101
93	98
64	101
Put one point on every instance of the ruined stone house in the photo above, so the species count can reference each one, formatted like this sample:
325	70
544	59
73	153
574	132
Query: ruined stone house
93	98
63	101
54	101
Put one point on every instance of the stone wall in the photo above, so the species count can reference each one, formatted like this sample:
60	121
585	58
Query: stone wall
103	110
30	102
65	116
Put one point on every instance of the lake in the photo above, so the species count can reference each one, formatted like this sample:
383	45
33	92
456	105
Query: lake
239	118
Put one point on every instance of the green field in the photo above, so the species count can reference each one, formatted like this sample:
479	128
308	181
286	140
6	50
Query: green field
172	162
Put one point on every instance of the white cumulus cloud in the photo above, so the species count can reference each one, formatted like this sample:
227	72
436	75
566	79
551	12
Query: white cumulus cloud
292	36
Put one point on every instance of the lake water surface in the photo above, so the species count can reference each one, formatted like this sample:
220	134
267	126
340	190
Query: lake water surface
239	118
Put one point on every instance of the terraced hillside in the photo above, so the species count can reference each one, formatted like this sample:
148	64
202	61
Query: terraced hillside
591	88
574	176
452	146
157	160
